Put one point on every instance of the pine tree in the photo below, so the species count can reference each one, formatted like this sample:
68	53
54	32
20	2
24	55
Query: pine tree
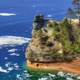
39	20
70	14
75	11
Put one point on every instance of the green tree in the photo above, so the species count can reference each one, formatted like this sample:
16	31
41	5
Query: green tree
39	20
75	10
70	14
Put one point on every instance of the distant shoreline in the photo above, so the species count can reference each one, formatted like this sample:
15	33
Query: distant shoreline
72	67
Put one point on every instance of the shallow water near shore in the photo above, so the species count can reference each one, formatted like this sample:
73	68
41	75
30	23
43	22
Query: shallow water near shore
39	74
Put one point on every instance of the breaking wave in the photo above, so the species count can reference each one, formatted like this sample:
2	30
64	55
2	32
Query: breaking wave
13	40
7	14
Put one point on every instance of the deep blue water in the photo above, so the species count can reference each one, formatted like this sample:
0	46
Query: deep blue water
21	25
25	10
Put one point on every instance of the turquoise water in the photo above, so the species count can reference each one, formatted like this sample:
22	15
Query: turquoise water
51	75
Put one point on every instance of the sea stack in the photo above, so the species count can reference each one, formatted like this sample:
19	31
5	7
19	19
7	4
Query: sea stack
55	44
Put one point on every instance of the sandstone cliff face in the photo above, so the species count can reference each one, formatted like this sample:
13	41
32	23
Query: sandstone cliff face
54	41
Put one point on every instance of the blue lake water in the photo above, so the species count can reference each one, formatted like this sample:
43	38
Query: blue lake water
15	30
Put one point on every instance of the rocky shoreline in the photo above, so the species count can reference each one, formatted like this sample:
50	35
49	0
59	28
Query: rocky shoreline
73	67
54	44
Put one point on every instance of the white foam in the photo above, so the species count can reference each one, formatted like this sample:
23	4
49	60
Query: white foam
7	14
10	68
43	79
18	76
13	40
16	66
3	70
61	74
8	64
12	50
52	75
68	78
14	54
78	77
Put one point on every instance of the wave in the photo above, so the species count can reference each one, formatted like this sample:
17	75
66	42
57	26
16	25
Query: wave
13	40
60	76
3	70
12	50
7	14
9	67
14	54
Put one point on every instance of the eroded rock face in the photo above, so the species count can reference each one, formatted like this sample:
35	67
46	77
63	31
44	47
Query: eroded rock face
55	41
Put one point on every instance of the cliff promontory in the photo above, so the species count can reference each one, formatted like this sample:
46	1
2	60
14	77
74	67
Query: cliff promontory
54	41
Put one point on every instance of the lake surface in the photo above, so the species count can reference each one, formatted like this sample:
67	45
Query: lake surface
16	17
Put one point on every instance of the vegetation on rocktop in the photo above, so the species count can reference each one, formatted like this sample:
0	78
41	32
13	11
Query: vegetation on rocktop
54	41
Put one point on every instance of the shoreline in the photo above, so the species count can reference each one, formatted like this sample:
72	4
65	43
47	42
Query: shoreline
72	67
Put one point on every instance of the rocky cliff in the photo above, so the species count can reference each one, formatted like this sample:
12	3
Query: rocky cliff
54	41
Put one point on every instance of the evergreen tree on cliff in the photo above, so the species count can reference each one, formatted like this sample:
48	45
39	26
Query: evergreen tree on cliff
39	21
75	11
70	14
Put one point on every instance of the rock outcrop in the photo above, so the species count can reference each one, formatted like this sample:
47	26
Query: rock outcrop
53	41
